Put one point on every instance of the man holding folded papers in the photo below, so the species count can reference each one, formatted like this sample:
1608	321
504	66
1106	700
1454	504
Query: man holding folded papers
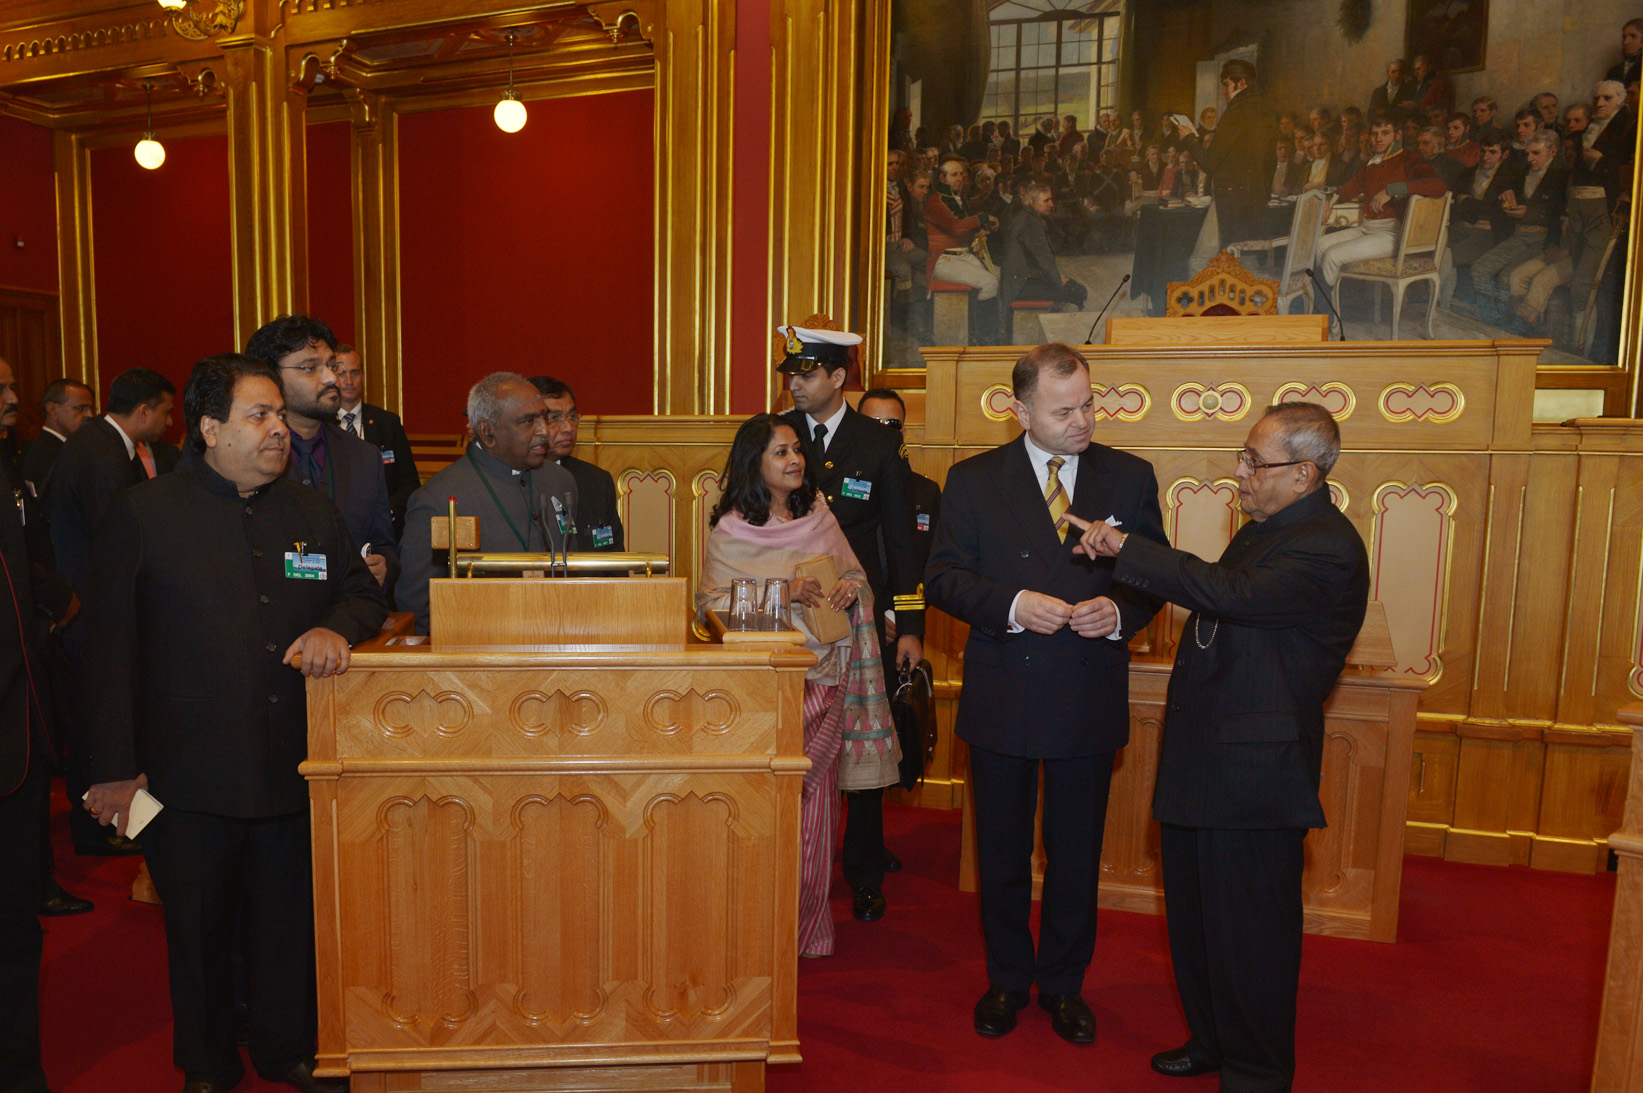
1273	620
1046	675
205	588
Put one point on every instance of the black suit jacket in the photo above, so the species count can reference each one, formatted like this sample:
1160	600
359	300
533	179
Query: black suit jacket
1034	695
1276	616
1240	161
35	595
1025	255
1395	105
383	428
361	493
39	459
92	467
872	456
188	617
598	523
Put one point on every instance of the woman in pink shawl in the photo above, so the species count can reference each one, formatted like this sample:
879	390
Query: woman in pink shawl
769	518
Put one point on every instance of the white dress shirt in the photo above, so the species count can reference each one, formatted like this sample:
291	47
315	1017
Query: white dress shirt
832	424
1067	476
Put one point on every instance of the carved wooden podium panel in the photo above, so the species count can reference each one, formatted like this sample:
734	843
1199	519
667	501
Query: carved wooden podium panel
1354	867
558	870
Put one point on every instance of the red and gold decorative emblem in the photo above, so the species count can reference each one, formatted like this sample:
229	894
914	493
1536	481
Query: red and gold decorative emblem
1196	402
1123	402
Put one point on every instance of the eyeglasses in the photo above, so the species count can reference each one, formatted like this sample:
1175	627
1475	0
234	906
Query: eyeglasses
893	422
1252	461
556	417
307	369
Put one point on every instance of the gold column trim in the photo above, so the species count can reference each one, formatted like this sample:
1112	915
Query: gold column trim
374	158
76	273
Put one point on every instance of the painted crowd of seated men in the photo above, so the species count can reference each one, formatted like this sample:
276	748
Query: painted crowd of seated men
1540	194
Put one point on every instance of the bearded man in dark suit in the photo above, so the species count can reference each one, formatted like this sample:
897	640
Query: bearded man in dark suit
1241	159
1046	676
1273	620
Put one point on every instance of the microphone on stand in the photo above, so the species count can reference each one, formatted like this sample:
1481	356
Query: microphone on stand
1323	291
1104	308
542	521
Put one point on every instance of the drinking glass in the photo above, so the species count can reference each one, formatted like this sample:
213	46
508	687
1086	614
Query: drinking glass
777	602
744	603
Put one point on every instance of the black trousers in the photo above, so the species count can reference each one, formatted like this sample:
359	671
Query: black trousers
862	848
21	817
208	870
1075	817
1233	902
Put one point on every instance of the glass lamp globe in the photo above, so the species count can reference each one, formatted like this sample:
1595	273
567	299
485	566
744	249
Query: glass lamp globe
150	153
173	5
510	114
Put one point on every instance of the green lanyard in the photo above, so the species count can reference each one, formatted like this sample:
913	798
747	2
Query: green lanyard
524	543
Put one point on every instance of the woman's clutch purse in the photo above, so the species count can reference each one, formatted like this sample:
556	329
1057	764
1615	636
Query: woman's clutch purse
824	623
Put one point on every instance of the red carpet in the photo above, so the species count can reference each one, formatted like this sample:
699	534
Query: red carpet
1494	986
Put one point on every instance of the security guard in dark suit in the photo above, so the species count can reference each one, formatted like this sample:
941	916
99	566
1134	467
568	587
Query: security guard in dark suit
380	427
860	466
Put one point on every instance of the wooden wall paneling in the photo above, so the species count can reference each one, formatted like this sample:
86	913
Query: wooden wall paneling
695	77
1618	1066
374	153
31	342
1432	789
1497	793
76	283
1596	497
1550	503
268	179
1583	798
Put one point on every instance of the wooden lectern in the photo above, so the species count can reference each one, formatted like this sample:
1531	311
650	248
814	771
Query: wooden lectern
570	865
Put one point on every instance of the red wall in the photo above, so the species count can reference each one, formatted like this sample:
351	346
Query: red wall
163	260
750	217
28	207
331	228
530	252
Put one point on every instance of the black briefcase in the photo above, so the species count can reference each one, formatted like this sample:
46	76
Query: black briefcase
913	707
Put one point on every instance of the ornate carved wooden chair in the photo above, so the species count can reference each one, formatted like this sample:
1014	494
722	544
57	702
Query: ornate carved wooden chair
1223	287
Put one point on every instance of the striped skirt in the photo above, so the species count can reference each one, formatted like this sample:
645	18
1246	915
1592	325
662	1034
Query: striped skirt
819	815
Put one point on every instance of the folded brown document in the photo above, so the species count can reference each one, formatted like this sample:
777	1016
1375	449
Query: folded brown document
824	623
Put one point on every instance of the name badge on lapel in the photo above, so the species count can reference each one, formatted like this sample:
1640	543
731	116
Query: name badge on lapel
604	537
387	455
924	521
858	489
301	566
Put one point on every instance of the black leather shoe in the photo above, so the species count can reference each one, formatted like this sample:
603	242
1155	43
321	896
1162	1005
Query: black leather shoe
892	864
1183	1062
302	1077
1070	1016
995	1013
54	901
107	846
204	1087
869	902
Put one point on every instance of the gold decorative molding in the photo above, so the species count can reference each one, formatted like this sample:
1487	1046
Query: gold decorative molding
1437	403
1339	399
1123	401
996	401
1198	402
224	18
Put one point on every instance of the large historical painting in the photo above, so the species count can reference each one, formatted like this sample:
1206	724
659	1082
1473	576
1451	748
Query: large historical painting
1049	156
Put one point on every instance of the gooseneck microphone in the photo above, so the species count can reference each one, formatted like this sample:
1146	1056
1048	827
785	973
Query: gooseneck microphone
1323	290
1104	308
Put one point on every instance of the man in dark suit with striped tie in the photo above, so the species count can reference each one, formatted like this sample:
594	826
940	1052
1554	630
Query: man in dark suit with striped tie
380	427
103	457
1272	622
1046	676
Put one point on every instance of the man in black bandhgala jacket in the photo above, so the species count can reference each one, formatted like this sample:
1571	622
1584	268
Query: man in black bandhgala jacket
206	586
1272	622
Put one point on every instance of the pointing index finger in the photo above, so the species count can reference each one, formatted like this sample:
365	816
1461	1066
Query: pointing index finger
1077	521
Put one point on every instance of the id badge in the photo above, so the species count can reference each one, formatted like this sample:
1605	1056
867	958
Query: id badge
304	567
604	537
387	455
858	489
924	521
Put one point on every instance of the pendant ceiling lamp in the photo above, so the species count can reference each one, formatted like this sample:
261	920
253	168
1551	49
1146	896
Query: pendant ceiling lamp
510	112
150	153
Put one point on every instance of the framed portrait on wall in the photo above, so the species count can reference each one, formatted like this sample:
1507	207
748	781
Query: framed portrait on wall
1453	33
1051	163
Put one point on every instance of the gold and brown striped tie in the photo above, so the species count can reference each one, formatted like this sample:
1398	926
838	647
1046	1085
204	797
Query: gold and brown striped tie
1056	497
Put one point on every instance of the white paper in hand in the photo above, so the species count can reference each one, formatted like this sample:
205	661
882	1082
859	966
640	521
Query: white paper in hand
144	807
1112	521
